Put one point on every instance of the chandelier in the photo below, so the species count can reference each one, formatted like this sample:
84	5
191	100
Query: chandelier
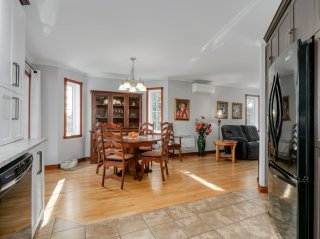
132	85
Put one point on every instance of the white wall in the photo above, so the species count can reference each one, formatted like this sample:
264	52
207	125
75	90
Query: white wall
52	115
204	105
60	149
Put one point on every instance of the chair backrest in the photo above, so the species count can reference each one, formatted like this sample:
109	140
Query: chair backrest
171	136
112	140
146	129
165	127
99	144
165	134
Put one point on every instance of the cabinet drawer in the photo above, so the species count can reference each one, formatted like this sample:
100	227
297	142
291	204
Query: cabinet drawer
11	128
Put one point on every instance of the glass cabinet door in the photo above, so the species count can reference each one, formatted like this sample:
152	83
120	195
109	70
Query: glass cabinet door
101	109
118	110
134	112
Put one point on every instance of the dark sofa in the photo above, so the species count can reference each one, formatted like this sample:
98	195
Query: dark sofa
247	138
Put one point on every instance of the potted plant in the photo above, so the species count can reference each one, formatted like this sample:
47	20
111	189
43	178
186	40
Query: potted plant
203	129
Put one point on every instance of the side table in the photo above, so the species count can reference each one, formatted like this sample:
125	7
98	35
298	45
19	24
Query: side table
230	143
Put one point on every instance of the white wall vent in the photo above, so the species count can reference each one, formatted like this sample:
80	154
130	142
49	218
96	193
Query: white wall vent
203	88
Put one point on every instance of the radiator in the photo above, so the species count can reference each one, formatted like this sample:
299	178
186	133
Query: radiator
188	142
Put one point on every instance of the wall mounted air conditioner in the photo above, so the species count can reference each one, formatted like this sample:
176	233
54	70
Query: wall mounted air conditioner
203	88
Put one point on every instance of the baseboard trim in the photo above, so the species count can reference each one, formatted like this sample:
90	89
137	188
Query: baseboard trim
262	189
57	166
196	153
51	167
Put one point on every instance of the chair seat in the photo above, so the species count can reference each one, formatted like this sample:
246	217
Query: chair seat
118	158
156	154
174	145
145	148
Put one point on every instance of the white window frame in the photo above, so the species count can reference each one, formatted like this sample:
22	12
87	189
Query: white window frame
149	107
77	116
257	110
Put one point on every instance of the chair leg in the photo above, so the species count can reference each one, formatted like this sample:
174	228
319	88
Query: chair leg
142	170
161	167
166	166
172	153
180	154
103	176
122	181
98	166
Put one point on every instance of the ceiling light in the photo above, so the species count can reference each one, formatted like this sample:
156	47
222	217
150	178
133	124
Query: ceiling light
132	89
132	85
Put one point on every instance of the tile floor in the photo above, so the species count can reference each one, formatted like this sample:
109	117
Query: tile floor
233	215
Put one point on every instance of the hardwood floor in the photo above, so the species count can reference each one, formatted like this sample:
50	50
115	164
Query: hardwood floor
78	195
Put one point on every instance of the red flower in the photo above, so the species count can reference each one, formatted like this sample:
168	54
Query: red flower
202	117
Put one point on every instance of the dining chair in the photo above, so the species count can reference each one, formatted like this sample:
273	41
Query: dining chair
157	156
146	129
173	145
99	147
110	139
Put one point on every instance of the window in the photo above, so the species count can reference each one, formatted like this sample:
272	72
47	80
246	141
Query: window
252	110
155	107
72	109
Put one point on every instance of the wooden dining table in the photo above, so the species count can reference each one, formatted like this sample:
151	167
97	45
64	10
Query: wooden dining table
134	143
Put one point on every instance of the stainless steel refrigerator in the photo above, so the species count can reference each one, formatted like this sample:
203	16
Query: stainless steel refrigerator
290	148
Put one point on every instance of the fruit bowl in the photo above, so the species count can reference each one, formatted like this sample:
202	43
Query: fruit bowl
133	134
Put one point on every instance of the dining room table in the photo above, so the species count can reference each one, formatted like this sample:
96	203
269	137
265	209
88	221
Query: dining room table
134	143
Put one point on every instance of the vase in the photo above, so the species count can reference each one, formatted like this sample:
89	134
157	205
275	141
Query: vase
201	144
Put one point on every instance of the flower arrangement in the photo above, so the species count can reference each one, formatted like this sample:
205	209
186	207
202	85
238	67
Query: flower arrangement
203	127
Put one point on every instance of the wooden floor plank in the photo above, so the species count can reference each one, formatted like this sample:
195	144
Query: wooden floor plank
82	199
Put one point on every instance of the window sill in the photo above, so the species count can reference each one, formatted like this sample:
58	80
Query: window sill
72	136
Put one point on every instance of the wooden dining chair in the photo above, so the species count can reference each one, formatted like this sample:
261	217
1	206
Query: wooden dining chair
159	156
99	147
146	129
173	145
110	139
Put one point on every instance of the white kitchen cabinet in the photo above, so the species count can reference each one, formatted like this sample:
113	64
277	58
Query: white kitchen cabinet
6	42
5	116
12	45
37	186
18	47
16	116
11	117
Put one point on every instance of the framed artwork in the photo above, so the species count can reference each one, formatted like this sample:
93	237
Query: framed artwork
286	109
223	106
236	110
181	109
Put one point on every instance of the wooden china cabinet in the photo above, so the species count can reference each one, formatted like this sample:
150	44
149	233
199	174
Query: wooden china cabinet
123	109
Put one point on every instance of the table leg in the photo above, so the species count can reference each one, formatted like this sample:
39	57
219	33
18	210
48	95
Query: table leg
217	152
233	149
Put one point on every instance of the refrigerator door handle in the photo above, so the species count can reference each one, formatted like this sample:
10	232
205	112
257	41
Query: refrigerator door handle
271	120
279	109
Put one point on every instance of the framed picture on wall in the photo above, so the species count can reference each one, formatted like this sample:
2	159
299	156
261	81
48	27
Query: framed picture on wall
236	110
223	106
181	109
286	112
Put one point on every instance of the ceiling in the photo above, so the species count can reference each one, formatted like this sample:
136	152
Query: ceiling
189	40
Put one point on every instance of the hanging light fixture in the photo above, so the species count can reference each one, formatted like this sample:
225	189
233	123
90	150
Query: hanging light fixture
132	85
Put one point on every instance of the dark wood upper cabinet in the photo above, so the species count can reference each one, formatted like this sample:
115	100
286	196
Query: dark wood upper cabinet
274	46
317	15
268	56
307	21
285	31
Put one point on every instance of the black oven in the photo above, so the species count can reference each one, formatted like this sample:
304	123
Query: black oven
15	198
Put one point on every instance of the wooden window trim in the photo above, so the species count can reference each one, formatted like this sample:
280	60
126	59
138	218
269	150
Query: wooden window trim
245	107
66	80
147	102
